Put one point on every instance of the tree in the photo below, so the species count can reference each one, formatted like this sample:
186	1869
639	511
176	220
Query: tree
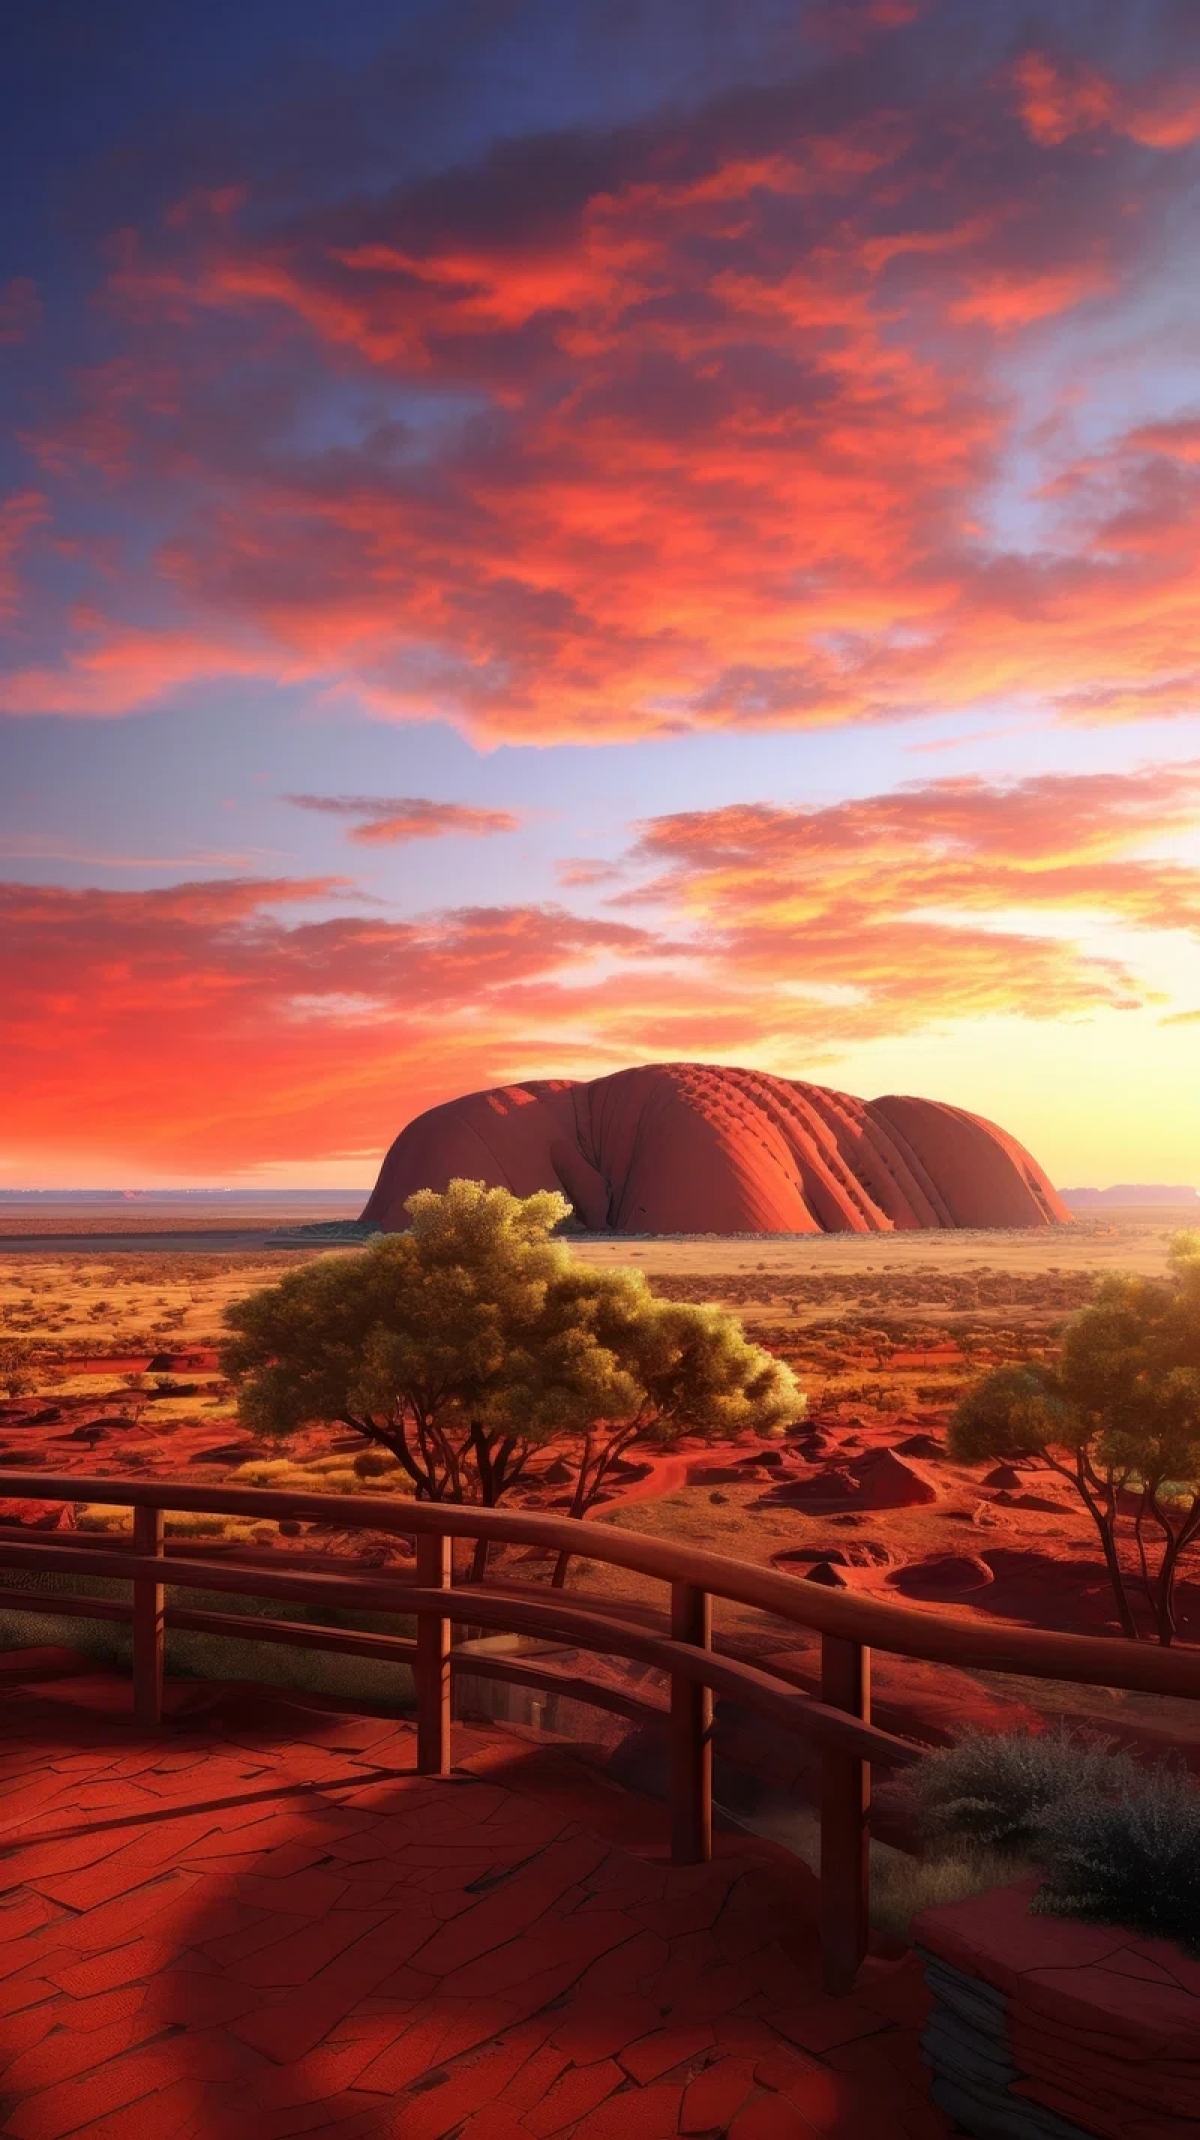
437	1344
688	1369
1118	1416
473	1339
16	1379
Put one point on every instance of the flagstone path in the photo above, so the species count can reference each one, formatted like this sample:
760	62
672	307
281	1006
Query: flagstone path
260	1921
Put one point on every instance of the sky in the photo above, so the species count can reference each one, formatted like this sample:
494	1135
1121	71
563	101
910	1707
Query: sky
535	539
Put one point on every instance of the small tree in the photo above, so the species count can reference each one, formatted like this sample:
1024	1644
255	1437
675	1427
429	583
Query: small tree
688	1369
472	1340
435	1344
16	1379
1119	1417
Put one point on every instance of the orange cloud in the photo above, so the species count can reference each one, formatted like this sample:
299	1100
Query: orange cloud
195	1028
386	821
955	899
219	1024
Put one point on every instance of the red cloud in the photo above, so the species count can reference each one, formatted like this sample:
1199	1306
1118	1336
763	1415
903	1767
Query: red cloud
216	1025
194	1028
695	423
389	821
19	515
1057	101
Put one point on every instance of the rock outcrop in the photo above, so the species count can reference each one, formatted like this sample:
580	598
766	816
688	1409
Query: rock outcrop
693	1148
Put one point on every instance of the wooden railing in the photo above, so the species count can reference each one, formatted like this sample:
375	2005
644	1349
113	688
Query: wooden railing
838	1723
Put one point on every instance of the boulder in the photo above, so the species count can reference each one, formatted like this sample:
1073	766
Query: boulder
944	1575
832	1484
38	1515
886	1480
920	1445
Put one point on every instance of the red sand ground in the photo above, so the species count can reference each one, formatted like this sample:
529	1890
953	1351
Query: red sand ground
261	1921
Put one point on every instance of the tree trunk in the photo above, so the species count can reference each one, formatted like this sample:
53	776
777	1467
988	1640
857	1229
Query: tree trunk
1104	1519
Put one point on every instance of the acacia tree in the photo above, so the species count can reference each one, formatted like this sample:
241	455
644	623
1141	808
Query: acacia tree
473	1339
1118	1416
688	1369
434	1344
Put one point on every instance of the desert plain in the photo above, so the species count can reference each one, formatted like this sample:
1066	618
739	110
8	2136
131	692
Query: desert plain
111	1354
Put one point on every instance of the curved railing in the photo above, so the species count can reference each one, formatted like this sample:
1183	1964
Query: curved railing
838	1723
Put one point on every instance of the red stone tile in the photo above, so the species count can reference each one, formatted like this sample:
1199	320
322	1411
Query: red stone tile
642	2114
181	1997
773	2117
706	1996
711	2100
631	1966
573	2095
70	2051
532	2082
468	2085
301	1949
653	2055
131	1963
594	2028
102	2008
161	2116
514	1905
331	2067
18	2031
575	1940
825	2022
494	2123
121	2082
781	2068
26	1913
301	1894
134	1914
745	2033
995	1937
20	1992
414	2052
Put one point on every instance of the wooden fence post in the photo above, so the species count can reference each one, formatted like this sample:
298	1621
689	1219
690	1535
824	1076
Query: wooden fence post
433	1660
691	1734
845	1820
148	1621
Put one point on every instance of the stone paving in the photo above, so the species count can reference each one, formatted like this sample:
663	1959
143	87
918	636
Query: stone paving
259	1921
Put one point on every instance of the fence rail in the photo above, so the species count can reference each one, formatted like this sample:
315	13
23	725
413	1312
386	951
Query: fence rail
838	1722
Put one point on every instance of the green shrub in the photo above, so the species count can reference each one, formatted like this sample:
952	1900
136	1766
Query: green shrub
996	1791
1132	1861
191	1655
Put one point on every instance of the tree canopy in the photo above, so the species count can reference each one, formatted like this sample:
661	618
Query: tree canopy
474	1338
1118	1415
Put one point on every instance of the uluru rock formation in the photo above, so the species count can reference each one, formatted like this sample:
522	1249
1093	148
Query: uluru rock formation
693	1148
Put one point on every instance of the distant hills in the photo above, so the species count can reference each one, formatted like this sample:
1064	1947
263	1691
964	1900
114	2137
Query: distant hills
1133	1192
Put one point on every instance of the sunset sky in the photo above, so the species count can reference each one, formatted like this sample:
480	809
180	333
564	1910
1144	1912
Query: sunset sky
541	535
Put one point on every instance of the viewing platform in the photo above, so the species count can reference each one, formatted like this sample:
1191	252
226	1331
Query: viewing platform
258	1919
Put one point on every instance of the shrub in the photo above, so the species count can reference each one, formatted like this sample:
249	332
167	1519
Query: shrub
1132	1861
997	1790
